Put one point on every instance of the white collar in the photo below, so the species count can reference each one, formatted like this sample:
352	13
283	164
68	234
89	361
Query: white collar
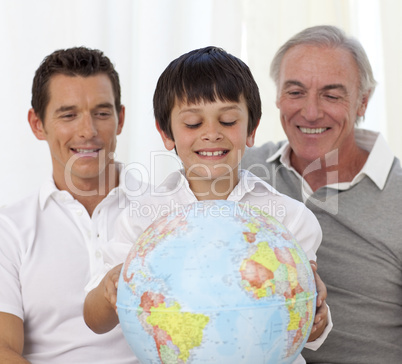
248	182
129	186
377	166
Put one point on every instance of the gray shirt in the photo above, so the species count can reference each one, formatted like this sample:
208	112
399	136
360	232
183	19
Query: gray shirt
359	260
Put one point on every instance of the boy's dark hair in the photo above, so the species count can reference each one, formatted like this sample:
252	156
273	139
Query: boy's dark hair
77	61
205	74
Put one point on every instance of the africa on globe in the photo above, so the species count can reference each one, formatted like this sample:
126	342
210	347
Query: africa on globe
216	282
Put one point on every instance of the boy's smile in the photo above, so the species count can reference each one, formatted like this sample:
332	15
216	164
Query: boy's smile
210	139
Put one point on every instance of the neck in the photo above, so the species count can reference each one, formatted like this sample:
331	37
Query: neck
335	167
213	189
90	191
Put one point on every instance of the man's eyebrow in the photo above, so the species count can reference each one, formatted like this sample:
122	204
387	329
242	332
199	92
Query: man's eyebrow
65	108
335	86
107	105
290	83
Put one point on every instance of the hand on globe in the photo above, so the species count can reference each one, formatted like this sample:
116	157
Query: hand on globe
321	315
100	313
110	283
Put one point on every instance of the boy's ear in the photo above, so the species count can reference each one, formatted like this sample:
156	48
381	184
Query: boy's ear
36	125
169	143
251	138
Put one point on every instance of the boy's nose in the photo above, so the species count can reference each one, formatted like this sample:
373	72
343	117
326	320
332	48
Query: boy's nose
212	133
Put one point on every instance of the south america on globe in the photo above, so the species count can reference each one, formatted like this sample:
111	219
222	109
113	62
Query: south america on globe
216	282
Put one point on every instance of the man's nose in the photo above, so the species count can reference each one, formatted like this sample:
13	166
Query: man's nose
312	109
87	127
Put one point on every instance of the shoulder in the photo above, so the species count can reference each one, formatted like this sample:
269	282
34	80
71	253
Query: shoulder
396	170
18	224
264	195
293	214
260	154
24	209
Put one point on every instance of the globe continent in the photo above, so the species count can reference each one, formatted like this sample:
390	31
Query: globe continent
216	282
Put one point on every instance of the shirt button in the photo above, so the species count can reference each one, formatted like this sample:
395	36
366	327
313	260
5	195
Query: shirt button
98	254
79	212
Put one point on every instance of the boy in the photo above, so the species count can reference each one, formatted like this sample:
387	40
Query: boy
207	107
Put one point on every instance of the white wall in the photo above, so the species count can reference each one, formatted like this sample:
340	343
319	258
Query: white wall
142	36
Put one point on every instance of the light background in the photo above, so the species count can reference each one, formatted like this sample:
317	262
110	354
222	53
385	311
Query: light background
142	36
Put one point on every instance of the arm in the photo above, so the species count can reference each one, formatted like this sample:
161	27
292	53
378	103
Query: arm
11	339
321	316
100	304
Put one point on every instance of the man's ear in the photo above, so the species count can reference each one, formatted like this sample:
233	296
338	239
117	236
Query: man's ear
121	119
168	142
36	125
251	138
364	102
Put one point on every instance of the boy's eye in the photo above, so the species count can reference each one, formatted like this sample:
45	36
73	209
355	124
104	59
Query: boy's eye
193	126
228	123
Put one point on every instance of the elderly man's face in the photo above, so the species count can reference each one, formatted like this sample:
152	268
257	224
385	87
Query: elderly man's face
319	102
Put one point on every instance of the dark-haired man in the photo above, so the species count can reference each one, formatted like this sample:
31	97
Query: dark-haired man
50	242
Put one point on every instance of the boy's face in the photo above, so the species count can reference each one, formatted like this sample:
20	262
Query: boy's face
210	138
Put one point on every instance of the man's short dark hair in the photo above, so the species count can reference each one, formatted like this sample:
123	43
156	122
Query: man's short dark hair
77	61
205	74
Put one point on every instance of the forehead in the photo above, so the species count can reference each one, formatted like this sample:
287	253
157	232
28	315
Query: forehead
320	65
204	106
76	89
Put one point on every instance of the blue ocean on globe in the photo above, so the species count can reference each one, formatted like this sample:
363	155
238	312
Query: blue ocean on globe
216	282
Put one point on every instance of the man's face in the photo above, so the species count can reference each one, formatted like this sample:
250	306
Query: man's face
80	126
319	102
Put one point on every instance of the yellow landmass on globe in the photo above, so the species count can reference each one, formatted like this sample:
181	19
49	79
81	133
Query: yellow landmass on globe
184	328
266	256
261	271
254	228
294	320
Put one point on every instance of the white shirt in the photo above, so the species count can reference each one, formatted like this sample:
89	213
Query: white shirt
175	192
49	249
377	166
